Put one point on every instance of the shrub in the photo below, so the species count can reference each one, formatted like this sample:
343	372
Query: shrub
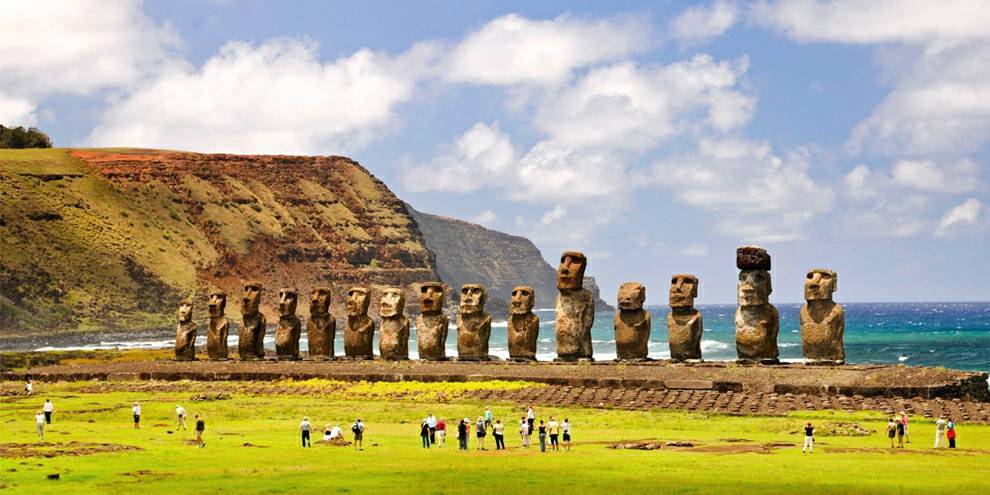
19	138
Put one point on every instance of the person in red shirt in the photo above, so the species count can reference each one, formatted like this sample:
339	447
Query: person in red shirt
441	433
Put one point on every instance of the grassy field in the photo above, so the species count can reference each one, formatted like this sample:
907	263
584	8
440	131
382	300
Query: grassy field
252	447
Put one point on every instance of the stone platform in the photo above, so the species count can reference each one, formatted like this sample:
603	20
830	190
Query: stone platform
722	377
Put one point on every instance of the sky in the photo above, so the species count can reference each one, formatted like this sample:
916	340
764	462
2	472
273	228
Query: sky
653	136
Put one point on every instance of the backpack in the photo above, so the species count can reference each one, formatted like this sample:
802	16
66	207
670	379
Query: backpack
355	428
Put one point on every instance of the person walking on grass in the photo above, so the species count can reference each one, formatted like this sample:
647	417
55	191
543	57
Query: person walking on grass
481	433
424	433
358	430
462	434
29	388
565	429
553	428
39	421
524	431
200	428
498	431
489	418
809	438
950	433
305	427
136	411
891	431
48	409
431	423
441	433
542	432
940	432
904	421
900	434
180	417
531	419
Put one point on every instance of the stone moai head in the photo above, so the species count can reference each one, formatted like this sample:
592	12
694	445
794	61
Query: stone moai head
522	300
570	272
754	286
218	303
185	311
287	301
632	295
251	301
431	297
358	300
820	284
683	290
473	298
319	301
392	303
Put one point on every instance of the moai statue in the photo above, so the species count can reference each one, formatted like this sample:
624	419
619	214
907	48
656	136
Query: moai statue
632	323
251	338
575	309
289	328
321	328
216	334
359	330
823	322
474	326
684	325
757	321
524	326
393	331
185	333
431	324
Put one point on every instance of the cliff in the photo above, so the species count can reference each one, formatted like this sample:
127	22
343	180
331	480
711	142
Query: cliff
104	239
469	253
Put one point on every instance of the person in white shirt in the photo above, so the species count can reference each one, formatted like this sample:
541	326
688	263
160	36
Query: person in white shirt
358	429
531	419
136	410
29	387
940	432
180	414
39	420
431	423
48	408
565	428
332	433
305	428
524	429
498	431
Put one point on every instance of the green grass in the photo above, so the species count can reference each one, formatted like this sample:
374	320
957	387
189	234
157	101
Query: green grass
394	462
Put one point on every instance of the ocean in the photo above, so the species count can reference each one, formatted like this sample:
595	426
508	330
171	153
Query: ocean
952	335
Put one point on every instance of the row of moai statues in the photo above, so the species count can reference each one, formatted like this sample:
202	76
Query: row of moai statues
757	321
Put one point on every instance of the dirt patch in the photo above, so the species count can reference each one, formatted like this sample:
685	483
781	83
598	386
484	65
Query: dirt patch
48	450
249	444
144	474
742	448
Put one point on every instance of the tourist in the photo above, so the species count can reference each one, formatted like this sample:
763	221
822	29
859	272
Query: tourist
327	433
136	411
200	428
950	433
489	417
524	431
29	388
565	429
441	433
48	408
180	414
305	428
809	438
431	422
498	431
424	433
900	434
39	420
531	419
904	420
542	431
482	431
358	430
891	431
940	432
554	429
337	433
462	434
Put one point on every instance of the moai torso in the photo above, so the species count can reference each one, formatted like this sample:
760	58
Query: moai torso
185	333
289	328
359	330
632	323
393	331
321	328
757	321
474	326
823	322
524	326
251	338
431	324
216	334
684	325
575	309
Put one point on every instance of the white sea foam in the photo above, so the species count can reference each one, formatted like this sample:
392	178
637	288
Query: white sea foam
713	345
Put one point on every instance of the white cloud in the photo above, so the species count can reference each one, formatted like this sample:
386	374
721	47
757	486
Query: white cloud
925	175
701	24
965	213
858	183
482	155
512	49
75	47
277	97
16	111
486	217
695	250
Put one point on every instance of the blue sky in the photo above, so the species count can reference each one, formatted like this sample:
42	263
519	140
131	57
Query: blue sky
653	136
